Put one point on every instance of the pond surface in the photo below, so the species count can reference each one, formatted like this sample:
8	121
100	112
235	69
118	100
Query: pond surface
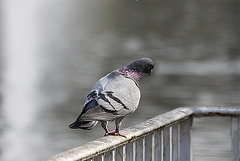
53	52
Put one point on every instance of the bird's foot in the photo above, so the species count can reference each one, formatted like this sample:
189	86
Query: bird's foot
115	133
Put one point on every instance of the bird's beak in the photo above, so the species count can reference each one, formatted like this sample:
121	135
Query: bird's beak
150	72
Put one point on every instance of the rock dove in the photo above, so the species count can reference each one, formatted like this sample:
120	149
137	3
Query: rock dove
113	97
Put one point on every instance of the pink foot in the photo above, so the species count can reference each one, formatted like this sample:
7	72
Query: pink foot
115	133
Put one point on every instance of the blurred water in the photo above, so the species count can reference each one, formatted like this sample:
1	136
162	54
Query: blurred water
54	51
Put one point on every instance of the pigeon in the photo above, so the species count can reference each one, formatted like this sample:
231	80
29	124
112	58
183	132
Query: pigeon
113	97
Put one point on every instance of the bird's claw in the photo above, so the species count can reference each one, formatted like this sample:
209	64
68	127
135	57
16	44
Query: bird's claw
115	134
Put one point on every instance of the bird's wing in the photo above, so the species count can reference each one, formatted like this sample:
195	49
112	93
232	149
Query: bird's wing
112	96
121	95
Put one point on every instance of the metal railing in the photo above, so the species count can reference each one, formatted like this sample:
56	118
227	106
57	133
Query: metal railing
166	137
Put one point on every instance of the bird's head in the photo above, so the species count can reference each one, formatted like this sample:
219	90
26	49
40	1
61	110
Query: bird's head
144	65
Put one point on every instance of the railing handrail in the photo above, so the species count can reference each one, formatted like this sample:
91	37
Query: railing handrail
106	143
216	111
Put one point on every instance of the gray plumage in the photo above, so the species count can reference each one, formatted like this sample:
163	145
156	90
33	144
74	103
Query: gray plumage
113	97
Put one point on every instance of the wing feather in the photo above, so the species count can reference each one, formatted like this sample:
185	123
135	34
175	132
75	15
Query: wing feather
113	96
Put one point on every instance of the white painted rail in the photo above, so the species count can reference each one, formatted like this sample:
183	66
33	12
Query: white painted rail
166	137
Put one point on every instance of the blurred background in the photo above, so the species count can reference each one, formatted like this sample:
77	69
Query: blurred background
53	52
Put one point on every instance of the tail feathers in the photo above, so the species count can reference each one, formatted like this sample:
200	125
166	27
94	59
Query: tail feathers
86	125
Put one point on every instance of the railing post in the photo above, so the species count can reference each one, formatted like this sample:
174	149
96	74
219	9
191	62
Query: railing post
166	144
185	140
158	145
109	155
129	151
120	154
235	138
175	142
149	147
139	149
